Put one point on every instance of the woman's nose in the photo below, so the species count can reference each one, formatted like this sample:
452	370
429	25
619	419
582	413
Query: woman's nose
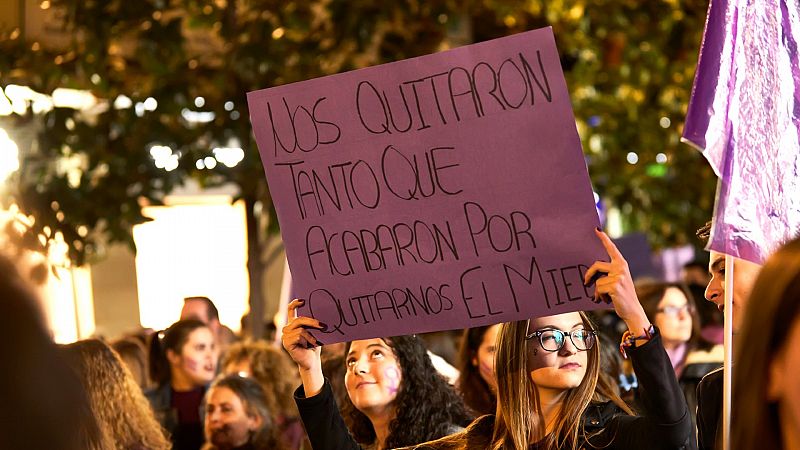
569	347
360	366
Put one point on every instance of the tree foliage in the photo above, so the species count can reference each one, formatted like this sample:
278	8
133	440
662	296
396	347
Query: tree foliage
629	66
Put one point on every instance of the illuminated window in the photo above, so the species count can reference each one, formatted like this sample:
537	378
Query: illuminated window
192	250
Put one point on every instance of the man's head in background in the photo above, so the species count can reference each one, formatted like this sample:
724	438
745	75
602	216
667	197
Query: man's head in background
744	275
202	309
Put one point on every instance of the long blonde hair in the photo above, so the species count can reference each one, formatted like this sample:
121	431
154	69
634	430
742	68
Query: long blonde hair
519	418
123	414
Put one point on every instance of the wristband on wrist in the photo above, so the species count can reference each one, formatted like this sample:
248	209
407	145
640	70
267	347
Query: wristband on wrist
629	339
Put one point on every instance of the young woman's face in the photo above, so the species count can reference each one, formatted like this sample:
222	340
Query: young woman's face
227	423
197	361
783	386
558	370
484	359
673	318
373	375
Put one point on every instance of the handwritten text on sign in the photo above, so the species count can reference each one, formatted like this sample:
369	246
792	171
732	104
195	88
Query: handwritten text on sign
439	192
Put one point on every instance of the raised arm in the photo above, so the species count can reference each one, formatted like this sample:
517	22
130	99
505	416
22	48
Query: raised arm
304	349
316	403
617	287
665	422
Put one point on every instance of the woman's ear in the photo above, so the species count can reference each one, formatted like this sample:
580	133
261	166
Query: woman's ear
173	357
474	361
776	384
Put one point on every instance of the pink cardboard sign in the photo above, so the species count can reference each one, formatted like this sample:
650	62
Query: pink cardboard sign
440	192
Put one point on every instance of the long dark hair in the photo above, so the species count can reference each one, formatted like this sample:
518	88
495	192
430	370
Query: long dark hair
773	309
252	396
427	406
173	338
476	393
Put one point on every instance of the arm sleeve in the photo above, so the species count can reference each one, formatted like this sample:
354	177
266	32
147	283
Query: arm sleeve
709	410
323	421
665	421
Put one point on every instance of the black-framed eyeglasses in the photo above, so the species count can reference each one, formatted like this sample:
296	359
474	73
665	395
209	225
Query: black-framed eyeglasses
553	340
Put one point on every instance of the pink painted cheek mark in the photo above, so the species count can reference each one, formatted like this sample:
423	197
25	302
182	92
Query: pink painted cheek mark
190	364
393	377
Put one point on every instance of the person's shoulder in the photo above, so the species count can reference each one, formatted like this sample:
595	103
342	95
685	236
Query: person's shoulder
597	414
159	397
709	390
712	379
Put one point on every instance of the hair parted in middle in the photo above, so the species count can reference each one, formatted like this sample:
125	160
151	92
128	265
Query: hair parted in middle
426	405
251	394
520	419
122	412
650	294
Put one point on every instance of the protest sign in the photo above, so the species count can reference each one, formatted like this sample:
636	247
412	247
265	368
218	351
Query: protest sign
440	192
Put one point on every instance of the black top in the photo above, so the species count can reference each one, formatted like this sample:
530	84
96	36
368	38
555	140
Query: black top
709	411
185	435
323	422
665	422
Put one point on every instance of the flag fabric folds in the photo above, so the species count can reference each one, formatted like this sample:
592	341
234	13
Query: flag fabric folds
744	115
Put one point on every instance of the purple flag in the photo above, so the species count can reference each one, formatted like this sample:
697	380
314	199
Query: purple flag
743	116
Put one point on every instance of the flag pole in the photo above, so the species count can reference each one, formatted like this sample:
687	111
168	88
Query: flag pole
728	359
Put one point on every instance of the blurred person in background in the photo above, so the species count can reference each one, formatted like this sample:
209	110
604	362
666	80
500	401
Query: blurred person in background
123	415
395	396
203	309
237	416
671	308
277	375
134	354
477	383
766	393
44	405
183	361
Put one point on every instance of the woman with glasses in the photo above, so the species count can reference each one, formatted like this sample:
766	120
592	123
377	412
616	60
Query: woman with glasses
549	392
670	307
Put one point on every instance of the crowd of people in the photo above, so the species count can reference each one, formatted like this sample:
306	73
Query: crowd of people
567	381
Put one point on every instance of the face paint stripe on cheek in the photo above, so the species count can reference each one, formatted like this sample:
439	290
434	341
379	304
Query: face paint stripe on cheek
191	364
